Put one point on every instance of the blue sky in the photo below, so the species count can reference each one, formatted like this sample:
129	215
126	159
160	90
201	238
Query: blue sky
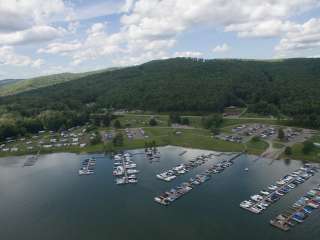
43	37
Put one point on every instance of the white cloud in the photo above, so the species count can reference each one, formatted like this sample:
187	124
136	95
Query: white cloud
9	57
107	7
37	63
31	35
305	36
140	58
166	18
30	21
150	28
96	44
221	48
23	14
267	28
61	48
188	54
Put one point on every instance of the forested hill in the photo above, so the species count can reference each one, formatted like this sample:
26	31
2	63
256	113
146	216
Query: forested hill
291	87
5	82
14	86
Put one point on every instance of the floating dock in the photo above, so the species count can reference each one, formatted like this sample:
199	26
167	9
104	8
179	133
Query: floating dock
87	167
32	160
261	201
172	195
124	169
181	169
299	211
182	153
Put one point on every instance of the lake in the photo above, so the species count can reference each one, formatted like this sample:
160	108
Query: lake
50	201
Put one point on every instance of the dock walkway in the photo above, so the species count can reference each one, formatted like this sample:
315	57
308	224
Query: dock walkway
258	206
284	221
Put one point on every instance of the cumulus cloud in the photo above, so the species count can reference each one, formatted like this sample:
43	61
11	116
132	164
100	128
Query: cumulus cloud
29	21
21	15
150	28
9	57
107	7
61	48
188	54
305	36
96	44
263	29
32	35
221	48
166	18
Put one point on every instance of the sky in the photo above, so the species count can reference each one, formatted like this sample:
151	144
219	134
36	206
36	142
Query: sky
40	37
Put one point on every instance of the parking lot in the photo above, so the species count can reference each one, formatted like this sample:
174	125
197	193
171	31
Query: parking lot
245	132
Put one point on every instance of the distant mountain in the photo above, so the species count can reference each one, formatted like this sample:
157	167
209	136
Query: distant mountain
5	82
14	86
288	86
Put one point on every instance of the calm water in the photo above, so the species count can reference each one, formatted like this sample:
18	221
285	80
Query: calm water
50	201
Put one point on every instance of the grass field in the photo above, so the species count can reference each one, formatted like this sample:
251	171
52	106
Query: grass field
256	147
277	145
193	137
298	154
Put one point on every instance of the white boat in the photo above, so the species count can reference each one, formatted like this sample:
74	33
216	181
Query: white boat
132	171
272	187
132	165
264	192
246	204
120	181
281	182
256	209
85	172
133	181
256	197
118	171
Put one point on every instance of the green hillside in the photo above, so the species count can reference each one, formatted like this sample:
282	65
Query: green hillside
6	82
12	87
290	87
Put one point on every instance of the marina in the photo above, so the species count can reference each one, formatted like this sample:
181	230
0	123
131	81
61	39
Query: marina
299	211
261	201
124	169
152	154
210	211
87	167
173	194
181	169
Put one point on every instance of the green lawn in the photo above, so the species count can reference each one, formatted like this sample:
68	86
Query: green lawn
297	153
131	120
277	145
256	147
192	138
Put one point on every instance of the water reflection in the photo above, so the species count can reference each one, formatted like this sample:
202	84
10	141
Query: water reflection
50	201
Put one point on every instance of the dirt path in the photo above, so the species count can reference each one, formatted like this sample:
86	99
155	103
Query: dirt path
271	152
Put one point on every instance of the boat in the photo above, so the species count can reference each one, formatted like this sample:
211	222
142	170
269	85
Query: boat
272	187
246	204
263	192
246	169
132	176
132	171
161	200
256	197
120	181
133	181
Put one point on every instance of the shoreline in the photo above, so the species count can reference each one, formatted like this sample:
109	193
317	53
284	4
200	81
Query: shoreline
99	149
